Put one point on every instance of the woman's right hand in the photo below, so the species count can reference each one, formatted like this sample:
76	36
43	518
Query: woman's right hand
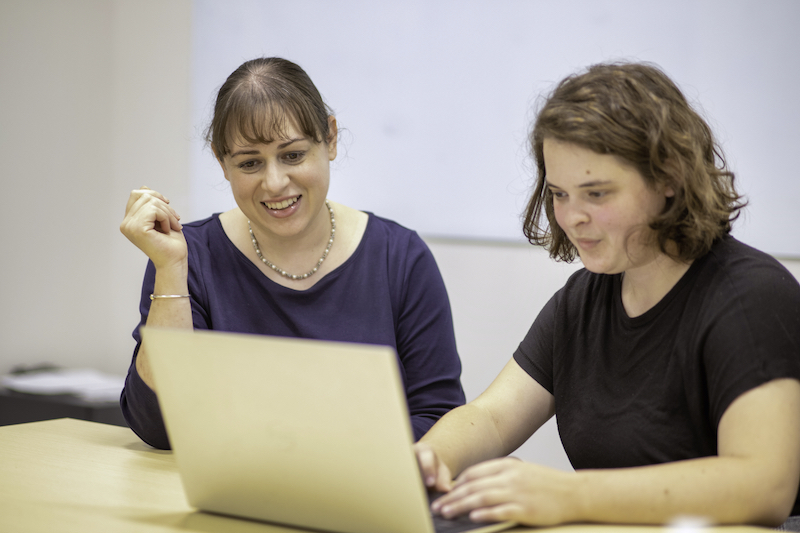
435	474
154	227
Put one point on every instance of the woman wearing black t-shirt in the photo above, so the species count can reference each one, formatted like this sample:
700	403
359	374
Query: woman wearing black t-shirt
672	361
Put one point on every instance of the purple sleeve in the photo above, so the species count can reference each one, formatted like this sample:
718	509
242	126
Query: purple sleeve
141	411
138	402
426	342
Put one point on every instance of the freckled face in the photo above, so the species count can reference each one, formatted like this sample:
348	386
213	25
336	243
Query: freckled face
604	205
281	186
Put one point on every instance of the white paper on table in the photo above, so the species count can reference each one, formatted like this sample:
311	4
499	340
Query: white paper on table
85	383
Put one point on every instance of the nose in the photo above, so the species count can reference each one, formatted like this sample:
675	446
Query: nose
570	213
274	180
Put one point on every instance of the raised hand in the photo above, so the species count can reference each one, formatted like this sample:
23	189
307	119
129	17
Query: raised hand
154	227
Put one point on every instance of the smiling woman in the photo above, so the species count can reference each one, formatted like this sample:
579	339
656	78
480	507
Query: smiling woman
287	261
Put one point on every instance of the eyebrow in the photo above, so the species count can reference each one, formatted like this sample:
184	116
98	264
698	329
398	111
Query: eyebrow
587	185
252	151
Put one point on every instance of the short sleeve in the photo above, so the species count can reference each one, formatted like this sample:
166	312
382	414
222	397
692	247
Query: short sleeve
752	334
535	353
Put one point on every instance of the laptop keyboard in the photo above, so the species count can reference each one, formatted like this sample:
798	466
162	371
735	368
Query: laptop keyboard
454	525
451	525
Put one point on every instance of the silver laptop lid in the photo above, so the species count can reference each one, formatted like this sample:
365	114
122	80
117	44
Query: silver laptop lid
301	432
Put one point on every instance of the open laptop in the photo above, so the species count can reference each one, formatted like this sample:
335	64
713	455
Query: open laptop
298	432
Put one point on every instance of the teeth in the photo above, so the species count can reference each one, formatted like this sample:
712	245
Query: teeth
281	205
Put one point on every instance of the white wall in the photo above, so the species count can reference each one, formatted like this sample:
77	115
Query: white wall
93	103
445	89
495	292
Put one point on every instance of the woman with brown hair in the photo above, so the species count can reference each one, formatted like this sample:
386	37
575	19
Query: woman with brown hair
672	360
287	261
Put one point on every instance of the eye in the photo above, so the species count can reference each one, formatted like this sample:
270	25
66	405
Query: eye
293	157
596	195
559	195
248	165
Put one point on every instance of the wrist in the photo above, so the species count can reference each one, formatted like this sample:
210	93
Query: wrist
172	273
578	486
171	281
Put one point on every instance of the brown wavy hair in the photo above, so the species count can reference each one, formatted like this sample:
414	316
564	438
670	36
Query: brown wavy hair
258	99
635	112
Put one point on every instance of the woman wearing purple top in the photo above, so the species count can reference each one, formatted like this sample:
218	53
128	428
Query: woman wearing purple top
287	261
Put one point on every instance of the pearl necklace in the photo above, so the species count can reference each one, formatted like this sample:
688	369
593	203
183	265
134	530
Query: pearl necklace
282	272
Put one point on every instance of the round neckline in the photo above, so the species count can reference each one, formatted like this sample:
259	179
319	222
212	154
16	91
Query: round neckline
330	275
658	308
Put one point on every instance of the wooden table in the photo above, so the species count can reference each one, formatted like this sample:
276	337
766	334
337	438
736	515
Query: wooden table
75	476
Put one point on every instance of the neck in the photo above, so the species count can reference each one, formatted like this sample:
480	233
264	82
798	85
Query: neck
643	287
298	254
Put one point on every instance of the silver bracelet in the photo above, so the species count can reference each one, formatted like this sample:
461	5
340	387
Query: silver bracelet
154	296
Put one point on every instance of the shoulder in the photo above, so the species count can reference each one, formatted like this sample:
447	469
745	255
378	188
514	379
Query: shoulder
385	226
730	252
735	268
393	237
207	242
402	254
209	226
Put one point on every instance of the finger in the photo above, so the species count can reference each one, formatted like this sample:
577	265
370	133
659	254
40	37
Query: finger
444	479
451	497
175	220
497	513
166	221
145	203
484	469
144	189
478	497
453	505
146	192
482	483
149	214
426	459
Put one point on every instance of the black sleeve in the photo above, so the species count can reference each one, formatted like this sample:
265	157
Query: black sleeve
535	352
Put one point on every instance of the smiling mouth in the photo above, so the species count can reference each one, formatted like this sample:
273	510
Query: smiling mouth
277	206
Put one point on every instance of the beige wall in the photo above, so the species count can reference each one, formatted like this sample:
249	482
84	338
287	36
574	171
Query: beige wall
94	101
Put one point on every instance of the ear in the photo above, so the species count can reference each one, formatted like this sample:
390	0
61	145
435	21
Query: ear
221	163
333	137
673	180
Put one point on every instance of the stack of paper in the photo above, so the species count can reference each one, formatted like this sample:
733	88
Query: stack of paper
85	383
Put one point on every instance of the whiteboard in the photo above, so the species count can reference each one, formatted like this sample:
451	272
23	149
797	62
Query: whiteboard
436	97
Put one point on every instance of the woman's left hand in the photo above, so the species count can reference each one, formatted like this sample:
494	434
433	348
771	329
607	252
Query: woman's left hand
509	489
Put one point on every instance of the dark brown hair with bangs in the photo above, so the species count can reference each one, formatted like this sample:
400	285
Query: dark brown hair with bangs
258	100
634	111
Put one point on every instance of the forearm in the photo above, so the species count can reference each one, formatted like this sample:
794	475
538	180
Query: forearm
465	436
724	490
494	424
166	312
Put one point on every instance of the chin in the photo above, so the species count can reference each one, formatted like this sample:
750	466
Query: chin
597	267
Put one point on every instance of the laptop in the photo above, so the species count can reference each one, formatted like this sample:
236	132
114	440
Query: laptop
298	432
